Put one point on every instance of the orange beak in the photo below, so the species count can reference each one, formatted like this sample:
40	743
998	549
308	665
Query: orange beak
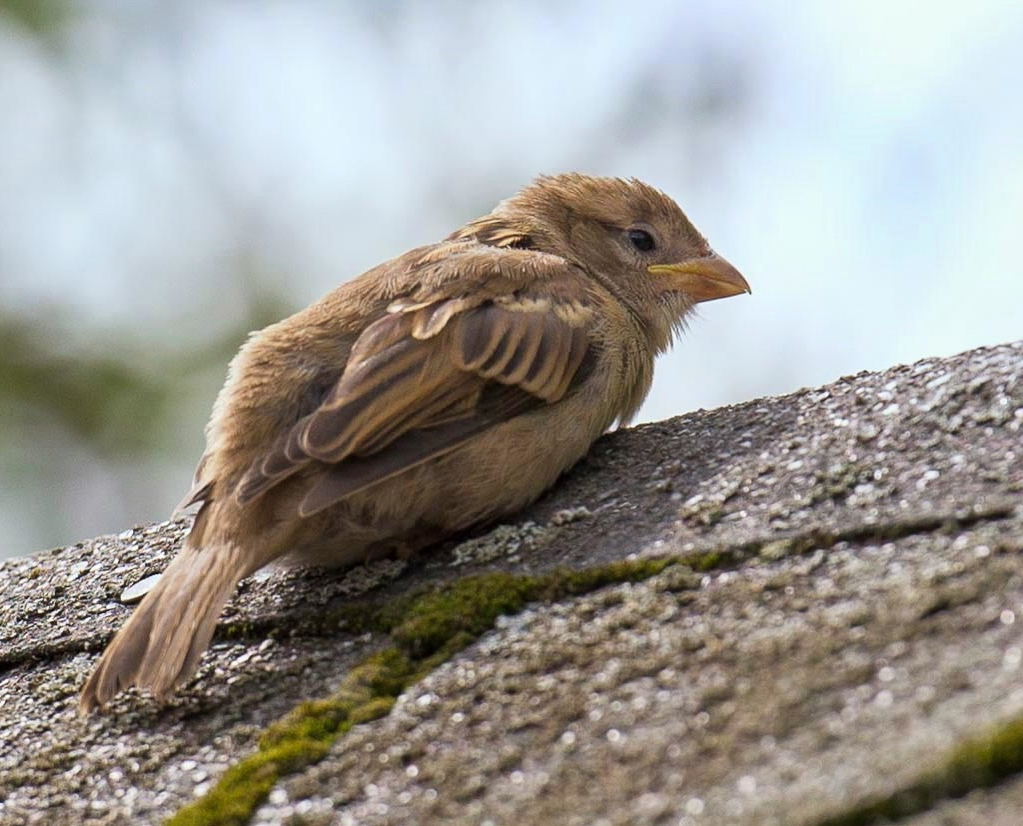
703	279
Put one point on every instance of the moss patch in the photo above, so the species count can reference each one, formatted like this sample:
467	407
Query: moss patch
425	629
978	763
447	618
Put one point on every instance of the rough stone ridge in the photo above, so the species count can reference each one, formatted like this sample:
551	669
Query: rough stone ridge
846	635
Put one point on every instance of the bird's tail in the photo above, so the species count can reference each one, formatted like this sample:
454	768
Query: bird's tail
159	647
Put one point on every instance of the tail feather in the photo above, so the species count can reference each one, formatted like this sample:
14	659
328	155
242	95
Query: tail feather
159	647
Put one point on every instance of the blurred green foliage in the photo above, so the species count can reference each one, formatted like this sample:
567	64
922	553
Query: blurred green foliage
40	17
116	404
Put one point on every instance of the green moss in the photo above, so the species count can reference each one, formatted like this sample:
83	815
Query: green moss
570	583
709	561
425	629
237	630
246	784
301	738
460	611
314	720
978	763
386	672
377	707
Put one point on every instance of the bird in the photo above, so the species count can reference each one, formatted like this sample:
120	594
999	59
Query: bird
441	390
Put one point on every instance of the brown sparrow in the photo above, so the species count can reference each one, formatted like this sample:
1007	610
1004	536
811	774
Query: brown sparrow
444	388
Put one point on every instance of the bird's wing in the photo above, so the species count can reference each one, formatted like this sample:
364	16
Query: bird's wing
452	358
200	490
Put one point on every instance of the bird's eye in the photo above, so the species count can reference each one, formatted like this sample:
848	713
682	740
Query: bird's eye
641	240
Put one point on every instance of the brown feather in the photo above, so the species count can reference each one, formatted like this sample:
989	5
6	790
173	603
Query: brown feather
397	382
159	646
413	448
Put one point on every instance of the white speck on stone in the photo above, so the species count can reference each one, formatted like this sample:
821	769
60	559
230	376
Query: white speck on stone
747	785
134	593
278	797
695	806
1011	658
79	569
238	662
1007	617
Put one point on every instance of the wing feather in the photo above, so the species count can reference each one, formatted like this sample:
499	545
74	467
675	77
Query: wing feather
410	450
424	378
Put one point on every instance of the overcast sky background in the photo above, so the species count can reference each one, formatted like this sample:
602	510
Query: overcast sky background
160	164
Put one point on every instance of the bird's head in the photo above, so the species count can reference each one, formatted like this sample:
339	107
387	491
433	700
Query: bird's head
631	238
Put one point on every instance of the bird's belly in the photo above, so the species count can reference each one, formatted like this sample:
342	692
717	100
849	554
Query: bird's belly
494	475
506	470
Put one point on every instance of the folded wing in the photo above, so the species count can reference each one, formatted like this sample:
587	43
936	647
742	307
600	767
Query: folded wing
438	368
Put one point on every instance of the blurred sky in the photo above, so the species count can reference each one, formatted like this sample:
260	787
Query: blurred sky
861	163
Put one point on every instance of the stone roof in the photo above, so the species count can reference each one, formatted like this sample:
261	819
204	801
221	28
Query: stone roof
799	610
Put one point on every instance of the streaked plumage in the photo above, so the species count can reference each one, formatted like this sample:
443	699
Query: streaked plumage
442	389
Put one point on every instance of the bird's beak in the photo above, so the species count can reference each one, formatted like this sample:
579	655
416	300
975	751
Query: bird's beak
703	279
